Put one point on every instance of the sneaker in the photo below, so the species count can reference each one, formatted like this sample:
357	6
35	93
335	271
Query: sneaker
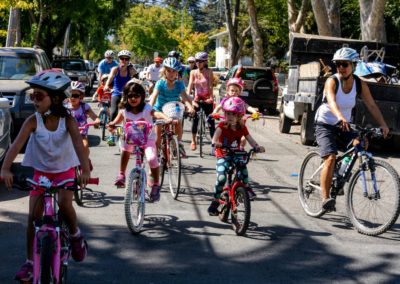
328	204
193	146
213	208
182	150
78	248
111	140
120	180
251	193
155	193
25	273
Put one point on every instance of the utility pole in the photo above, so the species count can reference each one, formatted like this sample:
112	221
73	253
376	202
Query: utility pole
66	40
13	30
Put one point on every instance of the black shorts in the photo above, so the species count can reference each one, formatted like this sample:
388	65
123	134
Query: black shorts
330	139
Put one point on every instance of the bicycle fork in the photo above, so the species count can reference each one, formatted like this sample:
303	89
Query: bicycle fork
367	164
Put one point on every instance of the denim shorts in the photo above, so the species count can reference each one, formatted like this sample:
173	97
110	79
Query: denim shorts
330	139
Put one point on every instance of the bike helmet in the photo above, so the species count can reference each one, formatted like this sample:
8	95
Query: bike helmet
346	54
235	105
191	59
158	60
52	80
109	53
172	62
76	85
201	56
236	81
124	53
174	53
103	77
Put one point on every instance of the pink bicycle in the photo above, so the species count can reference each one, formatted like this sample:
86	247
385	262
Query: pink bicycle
51	245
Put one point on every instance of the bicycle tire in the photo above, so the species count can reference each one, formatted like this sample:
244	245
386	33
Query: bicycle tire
46	252
388	201
78	193
224	213
104	121
174	166
311	196
63	274
134	203
163	165
241	216
120	138
201	133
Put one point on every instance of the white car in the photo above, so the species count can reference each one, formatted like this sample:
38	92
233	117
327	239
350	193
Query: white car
143	73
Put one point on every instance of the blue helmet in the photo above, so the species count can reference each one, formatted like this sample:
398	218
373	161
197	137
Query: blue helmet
172	62
346	54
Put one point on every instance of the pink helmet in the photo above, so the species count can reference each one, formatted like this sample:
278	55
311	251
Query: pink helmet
236	81
235	105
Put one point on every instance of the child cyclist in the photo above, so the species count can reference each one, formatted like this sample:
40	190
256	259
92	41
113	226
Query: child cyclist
132	108
170	89
81	111
54	149
228	133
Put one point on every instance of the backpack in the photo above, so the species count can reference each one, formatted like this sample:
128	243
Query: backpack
358	84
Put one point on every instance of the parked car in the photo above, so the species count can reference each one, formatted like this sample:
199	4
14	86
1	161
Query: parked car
5	127
17	65
75	68
260	87
91	70
220	71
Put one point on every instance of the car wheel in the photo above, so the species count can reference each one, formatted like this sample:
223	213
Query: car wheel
262	88
285	123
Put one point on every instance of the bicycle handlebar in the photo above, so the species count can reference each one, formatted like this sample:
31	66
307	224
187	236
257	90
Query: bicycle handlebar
87	125
253	116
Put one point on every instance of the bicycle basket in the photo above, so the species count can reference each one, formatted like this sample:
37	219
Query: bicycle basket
174	110
137	132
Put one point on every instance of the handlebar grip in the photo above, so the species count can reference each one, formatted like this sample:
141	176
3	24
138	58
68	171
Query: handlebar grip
94	181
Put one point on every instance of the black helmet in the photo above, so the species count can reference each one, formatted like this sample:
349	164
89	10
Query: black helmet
174	53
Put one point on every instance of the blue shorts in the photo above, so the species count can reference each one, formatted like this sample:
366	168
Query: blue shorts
330	139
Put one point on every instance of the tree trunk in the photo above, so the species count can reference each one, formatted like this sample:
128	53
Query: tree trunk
40	23
297	19
327	9
372	21
12	28
258	51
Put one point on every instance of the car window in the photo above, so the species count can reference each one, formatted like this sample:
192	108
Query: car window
255	74
18	67
230	73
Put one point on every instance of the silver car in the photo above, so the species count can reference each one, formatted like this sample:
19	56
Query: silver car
5	126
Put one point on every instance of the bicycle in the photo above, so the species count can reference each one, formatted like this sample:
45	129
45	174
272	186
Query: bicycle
119	137
78	193
234	197
51	246
135	194
203	132
104	115
372	201
169	150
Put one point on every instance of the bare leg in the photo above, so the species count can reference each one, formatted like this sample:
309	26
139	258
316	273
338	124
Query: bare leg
327	175
124	161
155	173
67	210
179	130
35	212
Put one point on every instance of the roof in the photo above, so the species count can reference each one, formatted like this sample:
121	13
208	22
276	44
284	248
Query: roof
219	35
20	49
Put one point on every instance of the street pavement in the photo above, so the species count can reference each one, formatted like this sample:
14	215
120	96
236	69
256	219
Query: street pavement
181	243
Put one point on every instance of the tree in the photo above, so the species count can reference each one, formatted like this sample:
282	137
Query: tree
327	16
297	17
255	34
371	20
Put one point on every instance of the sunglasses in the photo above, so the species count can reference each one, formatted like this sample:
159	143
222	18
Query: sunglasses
124	58
133	95
75	96
200	61
191	62
343	64
38	96
109	57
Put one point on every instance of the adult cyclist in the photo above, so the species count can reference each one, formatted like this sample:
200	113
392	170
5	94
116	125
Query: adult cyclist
333	116
153	73
107	63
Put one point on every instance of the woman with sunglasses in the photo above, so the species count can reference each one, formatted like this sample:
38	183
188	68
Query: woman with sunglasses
81	111
133	107
170	89
54	149
201	79
118	77
333	116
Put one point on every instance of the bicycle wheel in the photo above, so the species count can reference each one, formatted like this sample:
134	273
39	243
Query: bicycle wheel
46	251
78	193
224	213
63	274
309	188
241	216
163	166
120	138
374	213
201	132
103	122
174	167
135	200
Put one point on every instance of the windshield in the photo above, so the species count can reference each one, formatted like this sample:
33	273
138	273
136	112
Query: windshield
18	66
75	65
255	74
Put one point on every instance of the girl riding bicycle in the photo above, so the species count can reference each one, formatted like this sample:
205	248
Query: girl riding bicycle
228	134
81	111
170	89
132	108
202	81
54	149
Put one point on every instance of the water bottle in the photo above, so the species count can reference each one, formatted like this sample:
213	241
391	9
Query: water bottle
177	111
343	166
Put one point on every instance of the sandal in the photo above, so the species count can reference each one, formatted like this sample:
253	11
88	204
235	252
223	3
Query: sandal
193	146
328	204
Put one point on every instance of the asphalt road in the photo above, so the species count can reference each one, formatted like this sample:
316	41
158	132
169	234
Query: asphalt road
180	243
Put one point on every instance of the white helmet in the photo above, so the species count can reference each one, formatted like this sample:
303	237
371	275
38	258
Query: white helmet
191	59
124	53
202	55
109	53
346	54
76	85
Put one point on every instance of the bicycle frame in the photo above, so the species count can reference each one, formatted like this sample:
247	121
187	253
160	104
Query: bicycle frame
139	152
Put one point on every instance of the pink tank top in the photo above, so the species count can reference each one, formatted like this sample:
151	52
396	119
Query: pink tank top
201	85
